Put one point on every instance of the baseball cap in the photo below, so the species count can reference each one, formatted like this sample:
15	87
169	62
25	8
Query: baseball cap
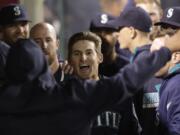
25	52
171	16
12	13
101	21
135	17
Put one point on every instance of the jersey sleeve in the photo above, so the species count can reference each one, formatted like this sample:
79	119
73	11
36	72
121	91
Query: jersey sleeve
173	112
100	95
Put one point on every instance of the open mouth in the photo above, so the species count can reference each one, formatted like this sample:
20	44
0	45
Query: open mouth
84	67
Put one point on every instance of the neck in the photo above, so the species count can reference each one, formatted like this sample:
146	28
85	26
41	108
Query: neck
139	42
96	78
54	66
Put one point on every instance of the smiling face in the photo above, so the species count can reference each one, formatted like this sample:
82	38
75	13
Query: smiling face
85	59
12	32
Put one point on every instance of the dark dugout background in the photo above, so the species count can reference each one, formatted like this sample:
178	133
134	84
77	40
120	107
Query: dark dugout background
169	3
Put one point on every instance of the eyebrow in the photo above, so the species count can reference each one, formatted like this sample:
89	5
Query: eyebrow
81	51
76	51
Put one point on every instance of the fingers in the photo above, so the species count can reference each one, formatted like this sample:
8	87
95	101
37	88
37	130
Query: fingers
158	43
175	58
68	69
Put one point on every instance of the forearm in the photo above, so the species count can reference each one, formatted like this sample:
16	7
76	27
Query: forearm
143	68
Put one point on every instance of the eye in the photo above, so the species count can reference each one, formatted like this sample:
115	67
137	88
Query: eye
89	52
11	25
48	40
24	23
76	53
38	41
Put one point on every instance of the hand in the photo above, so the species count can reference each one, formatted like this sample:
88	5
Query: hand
158	43
66	67
175	58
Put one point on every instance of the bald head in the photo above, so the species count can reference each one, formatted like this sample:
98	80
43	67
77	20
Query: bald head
43	26
44	35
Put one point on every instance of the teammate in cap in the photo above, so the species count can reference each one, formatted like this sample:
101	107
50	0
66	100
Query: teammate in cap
134	35
112	61
169	108
14	23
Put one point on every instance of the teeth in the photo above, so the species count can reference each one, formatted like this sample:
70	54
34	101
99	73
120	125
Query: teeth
84	66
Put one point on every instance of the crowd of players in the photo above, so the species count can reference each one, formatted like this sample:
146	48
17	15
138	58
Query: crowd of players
120	77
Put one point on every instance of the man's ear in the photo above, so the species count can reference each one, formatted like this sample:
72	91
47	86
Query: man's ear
58	44
100	55
133	32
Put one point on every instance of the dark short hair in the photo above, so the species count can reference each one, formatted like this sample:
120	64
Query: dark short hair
84	36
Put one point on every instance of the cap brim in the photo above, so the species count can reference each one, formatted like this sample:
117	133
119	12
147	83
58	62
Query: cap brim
22	19
102	26
109	26
118	23
167	23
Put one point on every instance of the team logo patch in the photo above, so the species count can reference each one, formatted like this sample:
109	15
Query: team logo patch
170	13
108	119
104	18
151	100
17	11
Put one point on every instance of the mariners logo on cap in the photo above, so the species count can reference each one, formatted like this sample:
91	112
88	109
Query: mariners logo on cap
17	11
104	18
170	13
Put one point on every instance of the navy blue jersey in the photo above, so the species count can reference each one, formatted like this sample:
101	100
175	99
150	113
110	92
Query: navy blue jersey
32	103
147	100
120	117
169	107
59	75
111	69
123	52
116	121
4	48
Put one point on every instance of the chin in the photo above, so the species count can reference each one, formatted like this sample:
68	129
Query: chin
85	77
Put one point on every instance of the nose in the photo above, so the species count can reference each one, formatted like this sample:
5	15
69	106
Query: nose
83	57
44	45
20	28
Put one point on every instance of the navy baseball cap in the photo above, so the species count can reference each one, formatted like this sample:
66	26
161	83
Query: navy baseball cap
135	17
12	13
171	17
101	21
